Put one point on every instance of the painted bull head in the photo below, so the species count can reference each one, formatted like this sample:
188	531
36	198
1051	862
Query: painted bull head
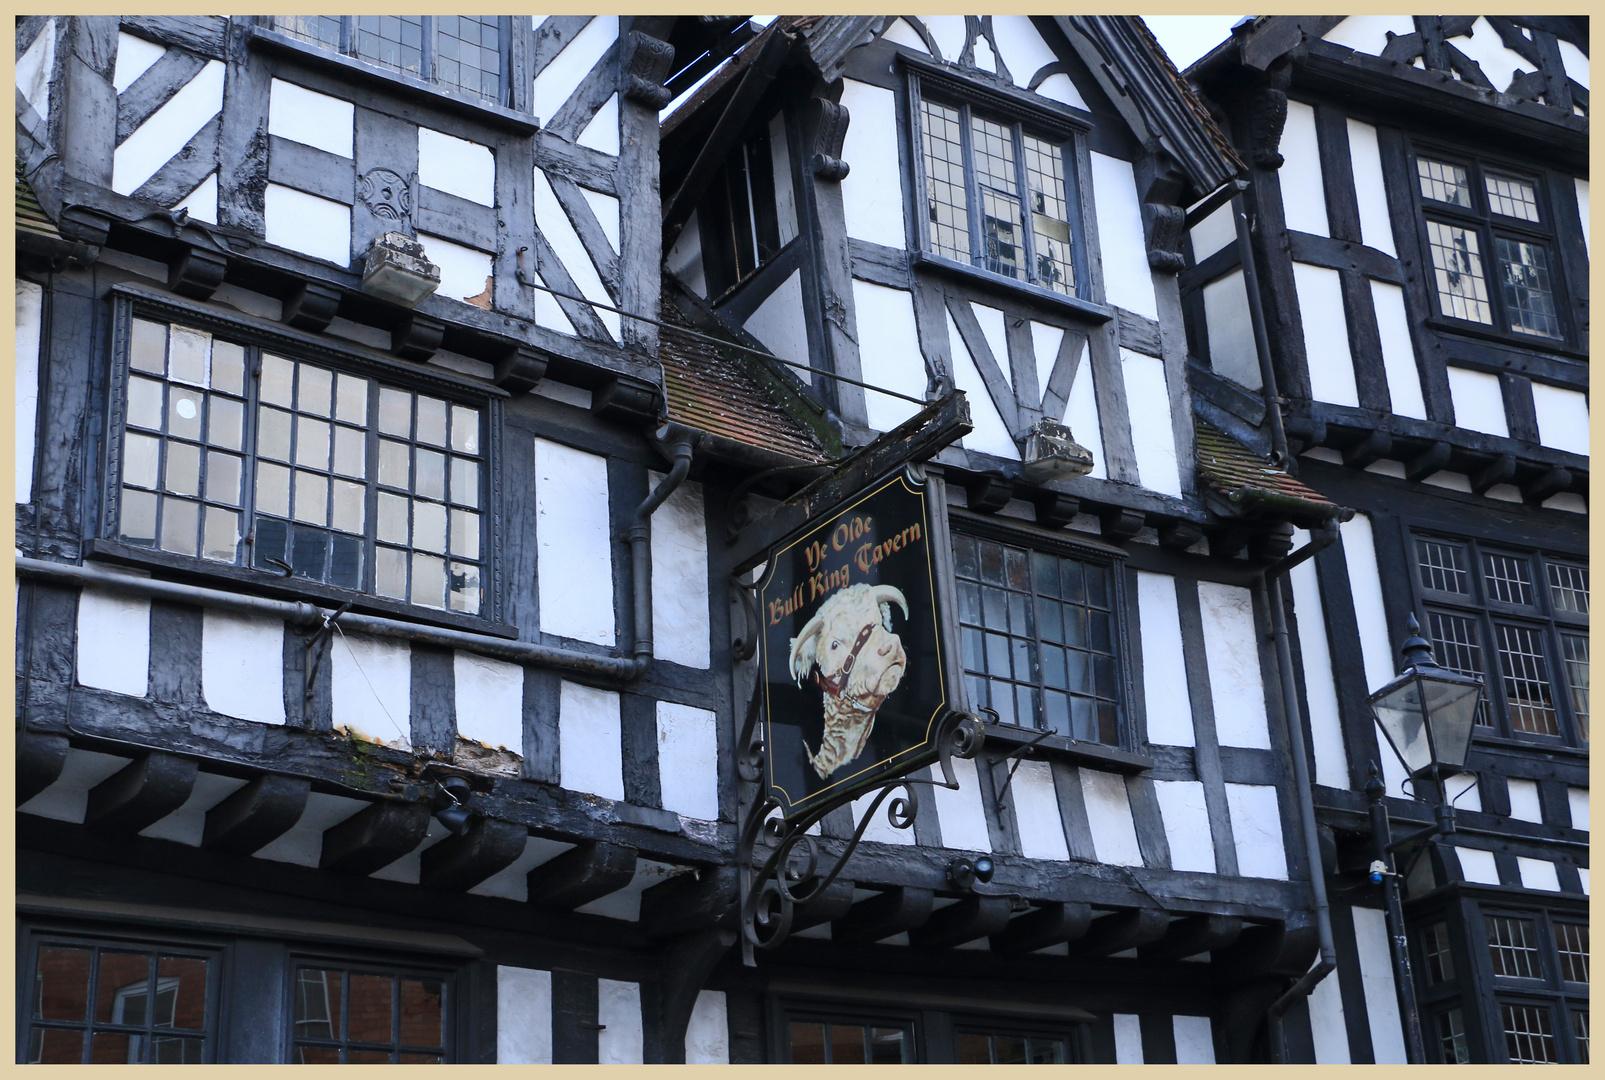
856	660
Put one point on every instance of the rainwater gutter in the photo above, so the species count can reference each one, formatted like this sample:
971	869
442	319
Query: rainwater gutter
616	668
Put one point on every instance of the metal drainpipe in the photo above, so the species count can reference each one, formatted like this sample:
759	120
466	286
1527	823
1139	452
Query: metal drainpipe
1301	779
612	668
1262	346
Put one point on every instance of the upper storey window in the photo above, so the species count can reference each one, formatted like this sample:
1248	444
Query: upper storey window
1491	243
467	53
997	193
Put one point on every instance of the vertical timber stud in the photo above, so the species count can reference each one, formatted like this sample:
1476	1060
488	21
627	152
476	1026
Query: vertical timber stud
823	115
644	62
87	116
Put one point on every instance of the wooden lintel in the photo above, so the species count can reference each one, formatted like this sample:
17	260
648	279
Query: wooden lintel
458	863
1049	924
40	759
893	911
256	814
141	794
1130	929
374	838
689	902
1193	935
972	917
582	874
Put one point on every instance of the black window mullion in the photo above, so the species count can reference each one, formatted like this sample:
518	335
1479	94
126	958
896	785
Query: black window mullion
974	213
252	398
426	48
1022	186
348	35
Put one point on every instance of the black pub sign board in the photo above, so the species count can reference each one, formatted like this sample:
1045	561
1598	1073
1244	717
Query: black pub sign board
852	680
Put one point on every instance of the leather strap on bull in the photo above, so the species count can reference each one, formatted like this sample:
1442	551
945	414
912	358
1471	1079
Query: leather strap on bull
835	686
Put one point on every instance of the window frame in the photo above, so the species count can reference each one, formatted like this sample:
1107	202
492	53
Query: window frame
1489	227
1549	991
129	303
718	216
1023	115
933	1030
1062	546
1488	614
507	31
453	1016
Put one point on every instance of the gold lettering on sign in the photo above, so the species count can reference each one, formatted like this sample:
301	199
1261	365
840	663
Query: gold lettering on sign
871	554
821	582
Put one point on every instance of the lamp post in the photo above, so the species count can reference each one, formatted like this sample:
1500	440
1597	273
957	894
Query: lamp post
1426	714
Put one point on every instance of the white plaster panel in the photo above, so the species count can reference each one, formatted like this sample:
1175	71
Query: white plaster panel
602	133
1231	650
961	814
1478	866
688	761
1387	467
590	741
1582	207
1303	186
1365	159
1081	412
1484	46
990	435
1376	980
1577	800
1326	334
881	830
1365	584
512	881
312	119
574	564
872	193
1398	351
606	210
680	625
1058	87
302	845
1022	49
242	666
1568	501
618	1011
1320	685
406	869
1215	232
36	67
1257	831
1582	874
1128	1039
1504	493
780	166
684	259
1562	417
1036	812
1195	1040
1166	703
1369	33
1128	282
707	1036
901	33
202	202
187	824
523	1016
1153	437
1045	342
1524	803
68	796
1454	481
554	224
30	325
576	396
559	79
1328	1030
1478	402
991	321
1231	331
155	142
465	274
489	700
135	56
372	688
548	312
779	323
1537	874
1462	790
1575	63
982	53
948	32
1114	833
306	223
456	166
1186	817
113	642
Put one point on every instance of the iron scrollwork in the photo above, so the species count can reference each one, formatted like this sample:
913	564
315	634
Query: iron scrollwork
791	876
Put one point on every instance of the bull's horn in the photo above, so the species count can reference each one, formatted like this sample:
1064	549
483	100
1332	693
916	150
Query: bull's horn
889	594
802	655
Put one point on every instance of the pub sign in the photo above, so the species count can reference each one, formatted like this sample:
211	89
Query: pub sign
852	679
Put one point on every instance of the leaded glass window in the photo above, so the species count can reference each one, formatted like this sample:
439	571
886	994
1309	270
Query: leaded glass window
1450	1028
1513	947
1529	1037
241	456
827	1042
464	53
353	1016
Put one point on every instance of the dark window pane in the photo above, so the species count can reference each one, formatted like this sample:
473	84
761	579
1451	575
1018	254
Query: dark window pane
1512	947
1571	942
1008	1049
317	1004
1568	588
345	563
269	544
317	1055
422	1012
887	1046
1451	1032
173	1050
371	1009
1529	1038
184	978
1574	650
368	1057
115	1048
1528	691
50	1046
1508	579
1440	961
1528	292
846	1044
123	983
1442	567
311	554
974	1049
61	985
807	1043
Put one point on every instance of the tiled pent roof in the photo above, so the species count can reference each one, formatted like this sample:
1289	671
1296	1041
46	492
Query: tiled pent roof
30	215
1185	91
1249	482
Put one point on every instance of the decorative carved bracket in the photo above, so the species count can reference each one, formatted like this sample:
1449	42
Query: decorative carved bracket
311	307
521	370
196	273
416	337
830	122
647	69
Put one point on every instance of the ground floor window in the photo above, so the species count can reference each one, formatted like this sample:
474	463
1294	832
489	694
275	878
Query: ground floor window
810	1034
350	1015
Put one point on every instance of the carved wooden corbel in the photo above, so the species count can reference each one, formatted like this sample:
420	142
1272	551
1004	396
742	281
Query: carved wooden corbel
647	69
1267	113
830	129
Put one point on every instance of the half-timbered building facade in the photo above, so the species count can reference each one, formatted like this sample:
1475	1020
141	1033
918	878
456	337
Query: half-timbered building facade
398	400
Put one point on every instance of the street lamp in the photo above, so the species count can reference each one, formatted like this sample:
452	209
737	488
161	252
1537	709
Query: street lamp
1426	714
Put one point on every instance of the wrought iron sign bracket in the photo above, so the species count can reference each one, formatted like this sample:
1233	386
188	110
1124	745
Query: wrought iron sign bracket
1017	755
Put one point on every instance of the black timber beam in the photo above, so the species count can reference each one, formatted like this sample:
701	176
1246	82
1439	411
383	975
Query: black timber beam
1268	949
458	863
374	838
582	874
1193	935
40	759
689	902
893	911
141	794
1131	929
256	814
972	917
1048	924
831	904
